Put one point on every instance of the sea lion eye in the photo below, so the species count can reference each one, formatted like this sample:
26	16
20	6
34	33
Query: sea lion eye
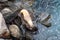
21	13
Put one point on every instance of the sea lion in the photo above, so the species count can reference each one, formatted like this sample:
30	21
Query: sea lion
27	20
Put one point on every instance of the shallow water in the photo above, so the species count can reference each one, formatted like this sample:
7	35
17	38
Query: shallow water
52	7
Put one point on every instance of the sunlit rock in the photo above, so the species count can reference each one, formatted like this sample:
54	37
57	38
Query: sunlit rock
15	31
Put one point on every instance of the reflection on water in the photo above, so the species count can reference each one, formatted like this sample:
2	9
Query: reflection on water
52	7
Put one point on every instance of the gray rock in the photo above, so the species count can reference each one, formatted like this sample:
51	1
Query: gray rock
45	19
3	0
6	12
43	16
3	28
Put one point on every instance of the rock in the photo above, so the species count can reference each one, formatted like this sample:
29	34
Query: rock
4	32
15	31
1	39
2	6
5	39
29	36
44	16
8	15
47	23
28	2
25	16
3	0
17	21
45	19
6	12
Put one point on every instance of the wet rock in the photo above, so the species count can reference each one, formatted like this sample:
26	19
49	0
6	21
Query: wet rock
29	36
28	22
15	31
28	2
48	23
45	19
4	32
